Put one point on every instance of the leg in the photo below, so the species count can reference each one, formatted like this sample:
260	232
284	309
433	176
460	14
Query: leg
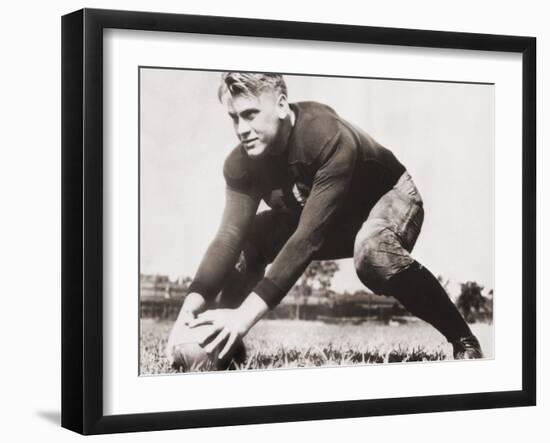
383	244
383	263
269	233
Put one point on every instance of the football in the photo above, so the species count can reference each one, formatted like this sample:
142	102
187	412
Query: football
188	356
186	352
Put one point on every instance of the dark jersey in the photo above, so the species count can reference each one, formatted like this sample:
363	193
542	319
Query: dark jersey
329	173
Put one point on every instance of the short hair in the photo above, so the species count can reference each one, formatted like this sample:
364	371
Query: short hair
250	84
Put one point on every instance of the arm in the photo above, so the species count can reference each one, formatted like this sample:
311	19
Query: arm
221	255
336	164
223	252
330	185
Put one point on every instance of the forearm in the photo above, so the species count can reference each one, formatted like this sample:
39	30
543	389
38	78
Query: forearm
287	267
252	309
308	239
224	250
220	256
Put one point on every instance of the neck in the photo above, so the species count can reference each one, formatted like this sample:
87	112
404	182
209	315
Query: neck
284	134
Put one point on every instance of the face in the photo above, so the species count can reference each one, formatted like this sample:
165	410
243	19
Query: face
257	120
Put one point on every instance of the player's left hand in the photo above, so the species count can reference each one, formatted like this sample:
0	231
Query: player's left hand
229	327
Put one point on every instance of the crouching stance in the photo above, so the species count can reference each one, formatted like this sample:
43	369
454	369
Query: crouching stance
334	192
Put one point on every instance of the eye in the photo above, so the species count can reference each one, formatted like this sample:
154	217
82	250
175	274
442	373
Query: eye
249	115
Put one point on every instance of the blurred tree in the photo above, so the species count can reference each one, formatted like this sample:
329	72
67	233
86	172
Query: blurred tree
489	306
184	282
318	274
471	302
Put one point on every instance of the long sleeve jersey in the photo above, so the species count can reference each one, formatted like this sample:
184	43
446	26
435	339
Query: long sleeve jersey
329	172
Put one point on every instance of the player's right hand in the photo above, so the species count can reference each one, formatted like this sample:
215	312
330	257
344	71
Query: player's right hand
193	304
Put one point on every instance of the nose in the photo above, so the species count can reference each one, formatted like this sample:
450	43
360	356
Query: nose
243	129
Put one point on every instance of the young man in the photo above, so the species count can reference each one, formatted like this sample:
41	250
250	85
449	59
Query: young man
334	192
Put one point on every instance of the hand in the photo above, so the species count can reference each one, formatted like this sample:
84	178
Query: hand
228	327
231	325
192	305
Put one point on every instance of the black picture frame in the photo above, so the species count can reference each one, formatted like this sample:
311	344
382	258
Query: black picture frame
82	220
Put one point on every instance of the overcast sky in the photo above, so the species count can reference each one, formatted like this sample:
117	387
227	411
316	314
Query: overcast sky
442	132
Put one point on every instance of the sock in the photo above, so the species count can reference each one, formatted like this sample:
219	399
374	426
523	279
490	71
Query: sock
423	296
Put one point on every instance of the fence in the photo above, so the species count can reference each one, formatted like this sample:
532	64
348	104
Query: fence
168	308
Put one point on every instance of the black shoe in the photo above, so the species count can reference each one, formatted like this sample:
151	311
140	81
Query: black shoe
466	348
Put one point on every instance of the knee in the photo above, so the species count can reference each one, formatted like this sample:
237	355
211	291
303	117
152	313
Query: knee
370	263
255	245
378	256
268	234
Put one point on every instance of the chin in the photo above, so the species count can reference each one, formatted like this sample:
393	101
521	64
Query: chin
256	151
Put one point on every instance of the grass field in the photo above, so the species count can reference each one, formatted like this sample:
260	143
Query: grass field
289	343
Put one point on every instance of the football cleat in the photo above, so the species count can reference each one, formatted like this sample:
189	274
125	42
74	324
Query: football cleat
466	348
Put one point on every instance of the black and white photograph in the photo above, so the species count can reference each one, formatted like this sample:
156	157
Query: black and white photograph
298	221
275	222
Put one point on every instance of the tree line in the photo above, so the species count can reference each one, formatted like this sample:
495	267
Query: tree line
315	283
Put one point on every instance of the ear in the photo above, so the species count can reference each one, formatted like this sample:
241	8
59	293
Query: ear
283	109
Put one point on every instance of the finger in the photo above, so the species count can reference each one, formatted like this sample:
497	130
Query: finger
207	316
210	335
184	317
200	321
188	317
228	345
213	345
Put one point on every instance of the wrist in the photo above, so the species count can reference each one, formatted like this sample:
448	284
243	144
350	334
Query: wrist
251	310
